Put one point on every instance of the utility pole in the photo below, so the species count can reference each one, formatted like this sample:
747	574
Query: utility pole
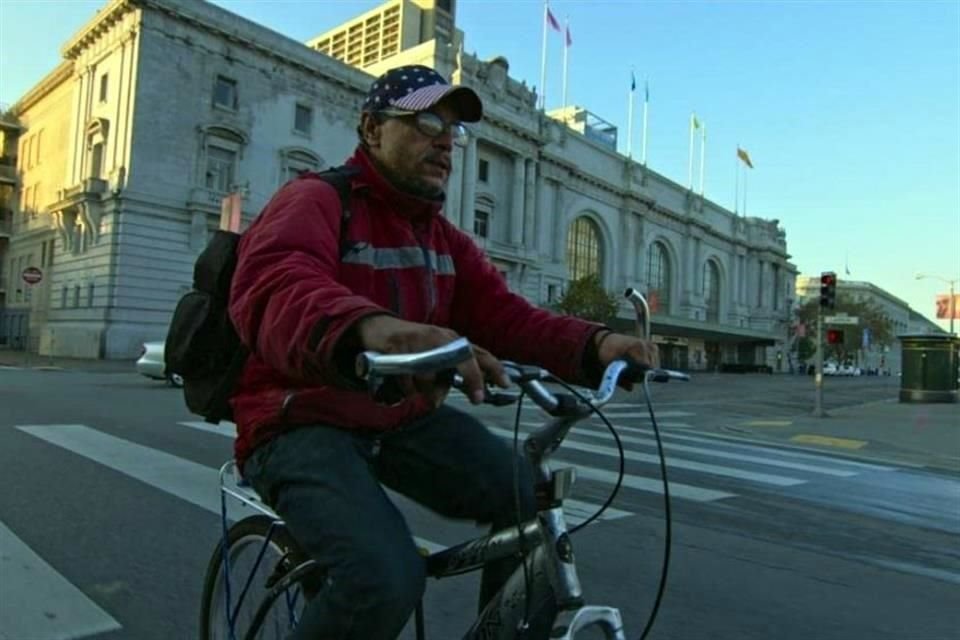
828	300
818	411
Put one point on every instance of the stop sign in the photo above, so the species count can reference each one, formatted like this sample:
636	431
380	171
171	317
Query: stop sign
32	275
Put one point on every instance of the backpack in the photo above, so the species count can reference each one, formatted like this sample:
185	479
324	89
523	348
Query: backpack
202	345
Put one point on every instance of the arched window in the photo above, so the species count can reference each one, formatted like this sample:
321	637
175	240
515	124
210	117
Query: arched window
222	147
296	160
711	290
658	278
583	248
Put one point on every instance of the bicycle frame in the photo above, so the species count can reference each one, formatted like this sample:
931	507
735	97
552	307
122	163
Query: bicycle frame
547	532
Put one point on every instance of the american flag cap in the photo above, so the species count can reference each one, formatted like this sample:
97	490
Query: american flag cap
417	88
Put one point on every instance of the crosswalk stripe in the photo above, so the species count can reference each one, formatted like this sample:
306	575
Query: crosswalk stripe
195	483
737	442
575	510
677	463
714	453
37	602
686	492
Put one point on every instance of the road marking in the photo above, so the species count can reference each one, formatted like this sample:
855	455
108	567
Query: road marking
181	478
37	602
767	423
646	414
727	455
843	443
761	445
677	463
574	510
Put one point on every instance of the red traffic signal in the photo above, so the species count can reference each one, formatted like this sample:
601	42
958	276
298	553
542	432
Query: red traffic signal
828	290
834	336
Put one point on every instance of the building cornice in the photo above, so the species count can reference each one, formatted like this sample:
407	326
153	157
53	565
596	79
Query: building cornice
42	89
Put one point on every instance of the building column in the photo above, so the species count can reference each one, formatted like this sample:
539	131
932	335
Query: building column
530	205
469	200
451	206
559	224
541	217
627	247
517	201
734	279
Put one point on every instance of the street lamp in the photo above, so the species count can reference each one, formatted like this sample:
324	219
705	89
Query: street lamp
921	276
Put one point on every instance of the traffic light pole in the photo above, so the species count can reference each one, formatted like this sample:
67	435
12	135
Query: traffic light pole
818	411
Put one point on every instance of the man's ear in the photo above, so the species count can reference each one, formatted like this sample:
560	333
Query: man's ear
370	127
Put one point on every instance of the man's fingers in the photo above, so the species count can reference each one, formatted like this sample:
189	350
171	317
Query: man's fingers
472	380
492	367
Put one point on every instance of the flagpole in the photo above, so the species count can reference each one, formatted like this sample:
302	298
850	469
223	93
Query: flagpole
543	61
633	88
690	164
566	53
646	102
736	183
703	146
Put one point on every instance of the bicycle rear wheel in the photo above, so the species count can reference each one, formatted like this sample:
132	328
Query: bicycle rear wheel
252	580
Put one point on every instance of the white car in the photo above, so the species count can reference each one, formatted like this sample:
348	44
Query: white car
831	369
150	364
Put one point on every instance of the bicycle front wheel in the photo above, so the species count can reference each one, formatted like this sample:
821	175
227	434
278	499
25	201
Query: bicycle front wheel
259	554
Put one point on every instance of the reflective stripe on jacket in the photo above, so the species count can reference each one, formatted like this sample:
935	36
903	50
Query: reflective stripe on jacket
292	298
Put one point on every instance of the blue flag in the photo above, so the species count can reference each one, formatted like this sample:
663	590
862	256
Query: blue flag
633	82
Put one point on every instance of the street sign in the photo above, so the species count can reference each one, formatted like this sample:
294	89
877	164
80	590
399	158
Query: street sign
841	320
32	275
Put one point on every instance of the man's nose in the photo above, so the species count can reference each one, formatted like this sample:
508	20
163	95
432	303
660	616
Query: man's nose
444	140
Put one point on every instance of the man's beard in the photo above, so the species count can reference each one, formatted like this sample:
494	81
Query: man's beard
411	185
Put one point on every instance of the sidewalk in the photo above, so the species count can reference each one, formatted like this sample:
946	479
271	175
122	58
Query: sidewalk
25	360
925	434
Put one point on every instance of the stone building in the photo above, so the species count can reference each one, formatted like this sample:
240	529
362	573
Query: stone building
161	108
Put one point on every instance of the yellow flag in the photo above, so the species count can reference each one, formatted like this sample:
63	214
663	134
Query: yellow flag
743	155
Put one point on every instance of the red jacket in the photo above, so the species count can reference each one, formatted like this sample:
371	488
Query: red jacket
292	299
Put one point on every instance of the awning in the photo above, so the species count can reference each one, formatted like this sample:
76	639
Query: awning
707	331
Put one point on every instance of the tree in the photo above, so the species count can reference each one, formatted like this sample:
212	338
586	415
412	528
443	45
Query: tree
870	317
586	298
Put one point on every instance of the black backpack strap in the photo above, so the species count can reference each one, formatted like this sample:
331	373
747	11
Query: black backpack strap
341	179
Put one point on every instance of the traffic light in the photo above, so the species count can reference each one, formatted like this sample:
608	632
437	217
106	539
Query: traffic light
828	290
834	336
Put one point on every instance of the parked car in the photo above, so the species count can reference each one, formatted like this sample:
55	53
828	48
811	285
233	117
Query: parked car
831	369
150	364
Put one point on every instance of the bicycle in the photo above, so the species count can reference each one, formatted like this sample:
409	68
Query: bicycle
542	598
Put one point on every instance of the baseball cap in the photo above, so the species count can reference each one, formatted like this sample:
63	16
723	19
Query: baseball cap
417	88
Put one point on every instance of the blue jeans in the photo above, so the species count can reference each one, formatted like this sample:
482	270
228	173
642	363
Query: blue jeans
326	484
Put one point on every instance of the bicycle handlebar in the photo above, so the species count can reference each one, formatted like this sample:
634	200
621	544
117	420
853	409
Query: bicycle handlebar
374	367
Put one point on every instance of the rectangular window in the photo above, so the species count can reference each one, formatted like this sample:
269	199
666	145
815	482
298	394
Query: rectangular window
90	288
43	254
303	118
96	160
103	88
483	170
220	165
759	283
63	297
225	93
481	222
76	296
53	246
552	293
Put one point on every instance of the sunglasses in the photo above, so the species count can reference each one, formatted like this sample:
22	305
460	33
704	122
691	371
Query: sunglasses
431	125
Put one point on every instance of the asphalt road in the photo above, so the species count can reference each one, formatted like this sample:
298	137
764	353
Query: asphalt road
108	515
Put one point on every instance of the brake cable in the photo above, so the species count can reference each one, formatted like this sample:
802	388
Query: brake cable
668	518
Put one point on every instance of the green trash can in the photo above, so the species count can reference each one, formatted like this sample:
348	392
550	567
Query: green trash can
930	367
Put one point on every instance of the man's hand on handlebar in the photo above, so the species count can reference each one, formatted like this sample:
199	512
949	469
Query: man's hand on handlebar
387	334
616	346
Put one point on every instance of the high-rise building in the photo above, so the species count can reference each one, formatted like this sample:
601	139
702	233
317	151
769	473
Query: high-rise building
395	33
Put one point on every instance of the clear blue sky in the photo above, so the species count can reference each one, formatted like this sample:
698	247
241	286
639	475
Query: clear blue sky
850	110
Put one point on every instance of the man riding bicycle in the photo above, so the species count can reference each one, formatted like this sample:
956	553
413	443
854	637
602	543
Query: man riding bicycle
311	439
